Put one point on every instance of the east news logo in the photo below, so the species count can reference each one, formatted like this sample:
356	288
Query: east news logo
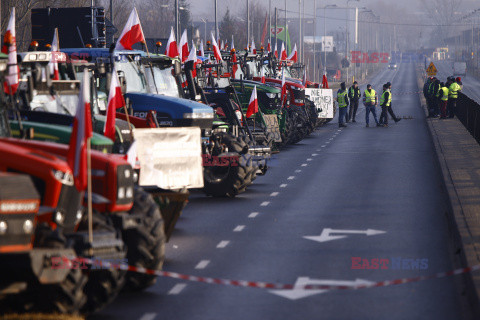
393	263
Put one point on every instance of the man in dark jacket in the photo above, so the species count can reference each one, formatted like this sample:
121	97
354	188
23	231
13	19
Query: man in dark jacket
354	95
390	110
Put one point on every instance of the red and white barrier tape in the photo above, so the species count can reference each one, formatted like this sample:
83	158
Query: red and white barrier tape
279	286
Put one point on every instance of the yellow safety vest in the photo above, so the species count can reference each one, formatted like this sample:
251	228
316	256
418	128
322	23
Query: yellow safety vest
370	96
382	98
444	91
453	90
341	99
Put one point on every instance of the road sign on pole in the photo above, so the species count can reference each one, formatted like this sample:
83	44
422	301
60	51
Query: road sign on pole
431	70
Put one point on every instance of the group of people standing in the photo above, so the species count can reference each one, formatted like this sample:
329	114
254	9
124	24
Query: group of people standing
442	96
370	100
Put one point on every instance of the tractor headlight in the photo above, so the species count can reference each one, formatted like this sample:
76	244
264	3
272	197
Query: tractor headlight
121	193
59	217
198	115
64	177
127	173
3	227
271	95
28	226
129	193
79	215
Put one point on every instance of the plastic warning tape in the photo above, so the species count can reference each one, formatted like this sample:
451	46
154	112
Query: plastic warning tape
279	286
406	93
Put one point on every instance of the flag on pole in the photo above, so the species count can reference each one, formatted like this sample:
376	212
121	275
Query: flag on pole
216	49
293	55
269	47
131	155
234	63
53	65
193	54
81	133
222	46
253	104
262	73
264	31
233	44
276	51
201	51
172	48
253	49
10	48
284	86
184	52
283	52
115	101
324	82
132	33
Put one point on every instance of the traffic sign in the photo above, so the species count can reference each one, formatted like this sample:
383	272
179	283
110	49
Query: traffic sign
432	70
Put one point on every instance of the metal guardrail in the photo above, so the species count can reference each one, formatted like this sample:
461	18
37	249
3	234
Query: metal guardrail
468	112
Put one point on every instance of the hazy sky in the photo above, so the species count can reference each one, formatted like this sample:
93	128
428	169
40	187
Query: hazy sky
205	8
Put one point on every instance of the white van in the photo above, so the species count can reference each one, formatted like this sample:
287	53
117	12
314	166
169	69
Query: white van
460	68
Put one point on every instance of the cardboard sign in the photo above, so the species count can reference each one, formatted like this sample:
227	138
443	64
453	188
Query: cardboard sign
170	158
271	121
323	100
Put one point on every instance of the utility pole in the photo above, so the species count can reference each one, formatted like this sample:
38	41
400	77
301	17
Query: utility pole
324	39
303	34
285	19
314	40
270	21
300	28
111	18
276	18
248	22
216	21
177	35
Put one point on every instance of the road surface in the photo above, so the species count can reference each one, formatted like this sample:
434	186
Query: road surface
348	180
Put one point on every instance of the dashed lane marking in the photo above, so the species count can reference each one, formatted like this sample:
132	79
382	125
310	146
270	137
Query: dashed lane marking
304	164
148	316
177	289
253	215
273	194
309	159
202	264
314	154
239	228
298	171
222	244
283	185
291	178
264	203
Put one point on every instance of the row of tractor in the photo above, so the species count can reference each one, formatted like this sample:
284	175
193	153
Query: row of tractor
182	126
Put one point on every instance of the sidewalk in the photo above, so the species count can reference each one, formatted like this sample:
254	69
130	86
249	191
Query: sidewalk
459	158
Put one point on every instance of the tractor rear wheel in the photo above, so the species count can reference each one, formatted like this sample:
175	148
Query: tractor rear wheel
145	242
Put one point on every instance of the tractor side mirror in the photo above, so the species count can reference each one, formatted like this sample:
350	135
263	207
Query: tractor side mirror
123	80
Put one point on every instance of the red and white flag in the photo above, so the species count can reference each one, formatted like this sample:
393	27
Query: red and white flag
284	86
253	104
81	133
269	47
253	49
184	52
132	33
115	101
262	74
131	155
222	46
283	52
172	48
234	64
10	48
216	49
233	44
201	51
192	56
293	55
276	51
53	64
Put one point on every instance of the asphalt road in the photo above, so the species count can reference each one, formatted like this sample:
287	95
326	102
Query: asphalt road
471	85
356	178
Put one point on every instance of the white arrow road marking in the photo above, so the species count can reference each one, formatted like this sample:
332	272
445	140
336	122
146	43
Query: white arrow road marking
298	293
326	234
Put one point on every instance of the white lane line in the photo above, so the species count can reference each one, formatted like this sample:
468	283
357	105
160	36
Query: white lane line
239	228
264	203
222	244
339	130
291	178
297	171
202	264
274	194
309	159
283	185
314	154
324	146
253	215
177	289
148	316
331	139
304	164
327	142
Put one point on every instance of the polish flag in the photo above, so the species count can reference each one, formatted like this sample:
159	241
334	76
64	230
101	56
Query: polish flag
284	86
192	56
324	82
283	52
10	47
262	73
172	48
115	101
54	65
234	64
253	104
293	55
233	44
184	52
216	50
201	51
276	51
81	133
253	50
222	46
131	155
132	33
269	47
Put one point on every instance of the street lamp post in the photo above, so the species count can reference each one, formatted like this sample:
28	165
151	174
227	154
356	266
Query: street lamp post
314	40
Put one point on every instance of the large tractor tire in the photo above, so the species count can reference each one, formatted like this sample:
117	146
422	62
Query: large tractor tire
220	181
145	242
67	296
103	285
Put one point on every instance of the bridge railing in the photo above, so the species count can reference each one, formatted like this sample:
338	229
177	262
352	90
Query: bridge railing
468	112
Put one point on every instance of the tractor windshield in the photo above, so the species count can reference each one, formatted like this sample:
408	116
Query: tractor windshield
162	81
134	76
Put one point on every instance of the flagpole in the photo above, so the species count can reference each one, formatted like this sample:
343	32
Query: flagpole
128	121
89	198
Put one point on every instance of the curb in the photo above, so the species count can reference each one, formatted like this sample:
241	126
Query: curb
463	244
